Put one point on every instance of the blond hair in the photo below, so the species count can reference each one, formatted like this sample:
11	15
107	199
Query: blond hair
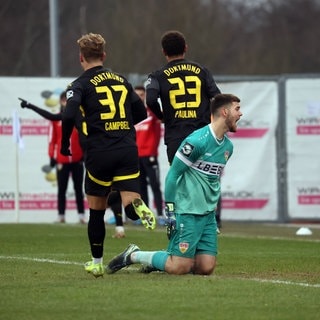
92	46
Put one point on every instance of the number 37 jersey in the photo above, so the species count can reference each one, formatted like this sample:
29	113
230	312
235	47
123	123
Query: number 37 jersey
185	89
109	106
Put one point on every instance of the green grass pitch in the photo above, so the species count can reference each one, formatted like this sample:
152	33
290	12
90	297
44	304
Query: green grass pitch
264	271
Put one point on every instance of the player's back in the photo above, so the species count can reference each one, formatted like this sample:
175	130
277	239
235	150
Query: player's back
186	88
106	98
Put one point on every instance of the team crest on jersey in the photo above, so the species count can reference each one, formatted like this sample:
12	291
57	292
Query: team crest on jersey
226	155
183	247
187	149
69	94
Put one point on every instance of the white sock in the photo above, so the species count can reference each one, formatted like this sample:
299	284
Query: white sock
119	229
143	257
97	260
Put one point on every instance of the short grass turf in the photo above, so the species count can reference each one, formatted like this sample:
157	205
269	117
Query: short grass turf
264	271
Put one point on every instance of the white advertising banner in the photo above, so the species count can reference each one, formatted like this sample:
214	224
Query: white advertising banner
249	183
303	146
26	193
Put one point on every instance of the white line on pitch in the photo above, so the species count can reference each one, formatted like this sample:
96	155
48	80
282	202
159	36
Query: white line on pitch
42	260
302	284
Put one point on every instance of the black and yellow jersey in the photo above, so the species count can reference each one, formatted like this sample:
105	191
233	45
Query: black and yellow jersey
109	107
185	89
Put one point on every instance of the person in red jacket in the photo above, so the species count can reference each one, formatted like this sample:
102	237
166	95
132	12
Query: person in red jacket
148	134
67	166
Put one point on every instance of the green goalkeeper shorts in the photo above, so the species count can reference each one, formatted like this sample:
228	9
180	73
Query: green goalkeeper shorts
193	235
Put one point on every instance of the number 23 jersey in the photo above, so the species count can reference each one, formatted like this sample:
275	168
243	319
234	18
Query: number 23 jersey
185	89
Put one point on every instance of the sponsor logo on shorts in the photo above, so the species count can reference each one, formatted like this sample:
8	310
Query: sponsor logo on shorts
183	247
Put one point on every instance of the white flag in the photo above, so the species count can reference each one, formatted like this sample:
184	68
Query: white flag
16	130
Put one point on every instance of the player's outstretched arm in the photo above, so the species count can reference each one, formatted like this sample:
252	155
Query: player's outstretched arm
44	113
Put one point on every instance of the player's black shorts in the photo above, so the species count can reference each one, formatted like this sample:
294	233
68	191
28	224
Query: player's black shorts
172	148
117	169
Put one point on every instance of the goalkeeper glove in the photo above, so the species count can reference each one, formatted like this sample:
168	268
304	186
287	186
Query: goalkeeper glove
170	221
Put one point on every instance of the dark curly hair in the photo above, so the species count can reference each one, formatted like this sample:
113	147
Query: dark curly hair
173	43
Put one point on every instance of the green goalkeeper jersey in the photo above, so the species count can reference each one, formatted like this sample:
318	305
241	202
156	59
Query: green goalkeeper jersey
193	180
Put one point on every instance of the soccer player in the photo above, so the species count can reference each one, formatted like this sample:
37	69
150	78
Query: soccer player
184	88
110	108
192	190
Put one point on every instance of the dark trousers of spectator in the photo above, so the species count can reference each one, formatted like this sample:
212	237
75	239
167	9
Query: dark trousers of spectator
64	171
149	175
